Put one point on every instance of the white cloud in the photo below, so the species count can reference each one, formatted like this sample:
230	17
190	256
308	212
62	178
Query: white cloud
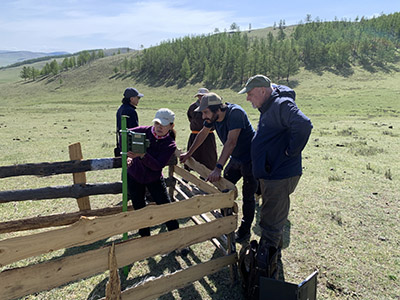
137	23
73	25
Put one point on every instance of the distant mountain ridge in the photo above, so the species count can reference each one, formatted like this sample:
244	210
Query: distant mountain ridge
8	57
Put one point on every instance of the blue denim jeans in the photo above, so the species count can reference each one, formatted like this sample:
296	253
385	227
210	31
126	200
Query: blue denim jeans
233	172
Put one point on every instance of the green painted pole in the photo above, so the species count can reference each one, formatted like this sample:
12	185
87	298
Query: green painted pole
124	148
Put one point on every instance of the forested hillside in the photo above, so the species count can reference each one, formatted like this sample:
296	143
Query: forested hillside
226	59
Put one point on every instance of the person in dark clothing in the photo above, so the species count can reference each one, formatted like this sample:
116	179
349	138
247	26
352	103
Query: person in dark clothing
282	133
128	108
145	169
235	132
206	154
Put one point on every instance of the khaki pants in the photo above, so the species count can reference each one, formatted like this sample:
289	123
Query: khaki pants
275	208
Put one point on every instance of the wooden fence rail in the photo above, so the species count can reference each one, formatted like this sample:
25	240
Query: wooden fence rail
56	220
56	192
88	226
57	272
92	229
152	289
63	167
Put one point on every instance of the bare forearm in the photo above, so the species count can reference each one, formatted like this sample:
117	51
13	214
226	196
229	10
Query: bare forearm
200	138
226	153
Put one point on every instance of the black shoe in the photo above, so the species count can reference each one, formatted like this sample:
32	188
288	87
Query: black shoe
240	236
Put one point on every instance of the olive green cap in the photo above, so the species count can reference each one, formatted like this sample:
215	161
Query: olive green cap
256	81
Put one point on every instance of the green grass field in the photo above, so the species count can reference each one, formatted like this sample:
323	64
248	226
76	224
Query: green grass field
344	213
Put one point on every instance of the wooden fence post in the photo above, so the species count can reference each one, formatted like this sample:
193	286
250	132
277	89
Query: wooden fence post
171	179
75	153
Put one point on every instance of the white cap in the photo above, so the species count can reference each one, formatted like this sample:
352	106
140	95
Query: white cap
164	116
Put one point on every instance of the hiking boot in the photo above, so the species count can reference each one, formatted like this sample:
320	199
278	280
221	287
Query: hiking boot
267	261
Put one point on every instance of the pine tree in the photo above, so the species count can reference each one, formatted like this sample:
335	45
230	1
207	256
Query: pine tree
24	74
54	68
65	64
185	70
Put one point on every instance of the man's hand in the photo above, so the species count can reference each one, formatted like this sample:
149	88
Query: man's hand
214	176
184	157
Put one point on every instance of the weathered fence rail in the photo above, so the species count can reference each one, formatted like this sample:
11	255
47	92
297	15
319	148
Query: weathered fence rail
64	270
54	192
88	226
63	167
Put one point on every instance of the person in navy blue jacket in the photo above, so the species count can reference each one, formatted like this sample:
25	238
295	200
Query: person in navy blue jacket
282	133
128	108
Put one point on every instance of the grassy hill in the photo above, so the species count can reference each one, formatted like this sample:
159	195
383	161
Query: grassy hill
344	213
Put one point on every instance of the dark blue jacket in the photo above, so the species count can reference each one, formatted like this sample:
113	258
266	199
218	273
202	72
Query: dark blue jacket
126	109
282	133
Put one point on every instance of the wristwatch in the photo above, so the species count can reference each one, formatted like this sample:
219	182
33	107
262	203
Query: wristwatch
219	166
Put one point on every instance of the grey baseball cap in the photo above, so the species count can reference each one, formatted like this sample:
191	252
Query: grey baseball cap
256	81
208	100
164	116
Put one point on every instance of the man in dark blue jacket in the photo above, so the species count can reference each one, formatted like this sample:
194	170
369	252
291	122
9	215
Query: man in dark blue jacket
282	133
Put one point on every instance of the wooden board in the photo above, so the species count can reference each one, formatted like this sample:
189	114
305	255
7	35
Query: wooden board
19	282
75	153
62	167
90	230
56	220
201	184
54	192
152	289
222	184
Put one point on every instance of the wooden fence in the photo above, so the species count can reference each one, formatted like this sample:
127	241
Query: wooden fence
88	226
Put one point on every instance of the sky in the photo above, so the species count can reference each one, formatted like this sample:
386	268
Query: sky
75	25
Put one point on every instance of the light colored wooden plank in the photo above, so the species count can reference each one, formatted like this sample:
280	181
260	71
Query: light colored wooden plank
75	153
57	272
201	184
56	220
152	289
92	229
222	184
205	218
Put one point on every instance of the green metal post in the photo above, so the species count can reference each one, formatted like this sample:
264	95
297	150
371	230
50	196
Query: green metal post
124	148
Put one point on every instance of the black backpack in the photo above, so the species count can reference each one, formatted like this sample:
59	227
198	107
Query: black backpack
254	263
248	270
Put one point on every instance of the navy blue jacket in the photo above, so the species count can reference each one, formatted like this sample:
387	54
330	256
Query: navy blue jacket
282	133
133	120
127	110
